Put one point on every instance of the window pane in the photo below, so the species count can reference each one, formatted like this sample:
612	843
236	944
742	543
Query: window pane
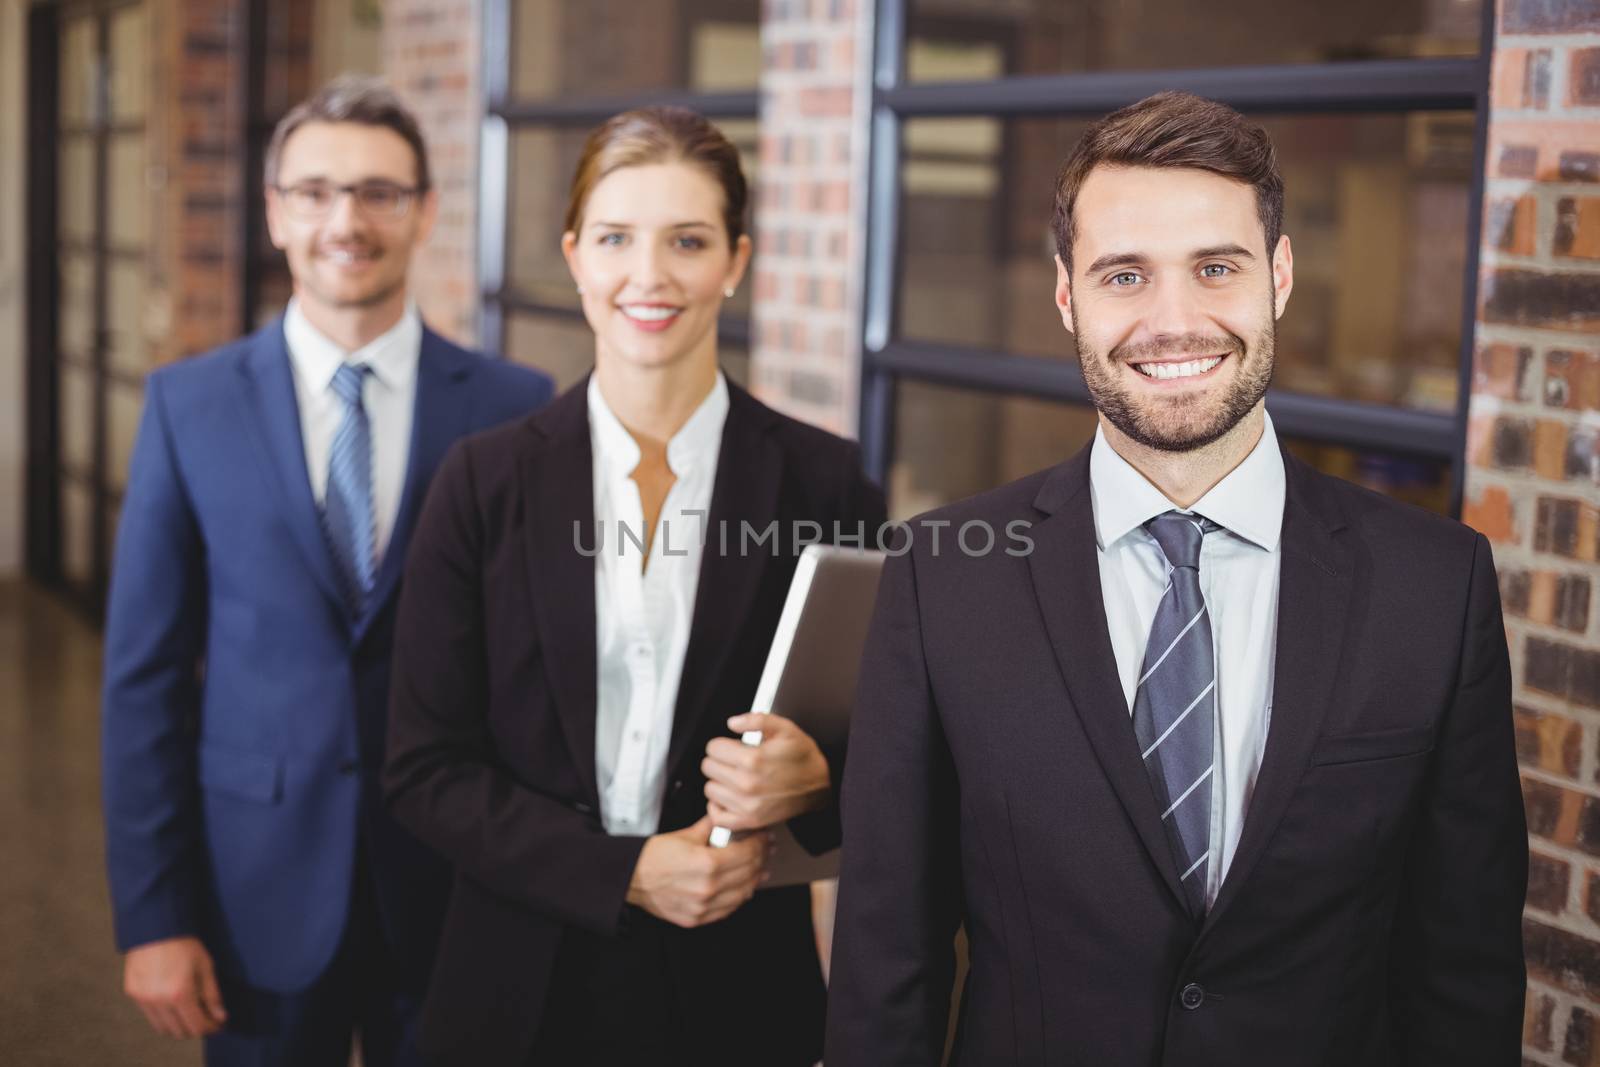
951	40
600	47
562	348
130	74
951	443
125	307
1376	209
124	402
129	193
77	531
542	162
76	385
1425	483
78	48
76	187
76	325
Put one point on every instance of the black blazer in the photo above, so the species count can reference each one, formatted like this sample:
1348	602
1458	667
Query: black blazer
491	756
1372	912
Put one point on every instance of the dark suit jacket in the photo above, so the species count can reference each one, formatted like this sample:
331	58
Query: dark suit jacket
1372	912
244	707
492	732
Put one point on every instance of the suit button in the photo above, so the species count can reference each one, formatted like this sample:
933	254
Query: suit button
1192	996
349	767
677	785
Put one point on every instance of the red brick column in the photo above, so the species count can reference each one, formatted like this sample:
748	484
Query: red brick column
1533	482
810	209
196	137
431	51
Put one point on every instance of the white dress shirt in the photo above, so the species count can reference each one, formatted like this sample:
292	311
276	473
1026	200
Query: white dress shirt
643	614
1239	580
389	397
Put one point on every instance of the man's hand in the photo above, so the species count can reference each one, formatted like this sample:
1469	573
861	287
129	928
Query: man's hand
753	786
682	879
175	986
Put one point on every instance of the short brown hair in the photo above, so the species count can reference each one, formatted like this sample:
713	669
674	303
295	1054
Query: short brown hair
1174	129
356	98
650	135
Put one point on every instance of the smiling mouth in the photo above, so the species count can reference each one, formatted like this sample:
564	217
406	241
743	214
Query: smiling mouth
647	313
345	257
1192	368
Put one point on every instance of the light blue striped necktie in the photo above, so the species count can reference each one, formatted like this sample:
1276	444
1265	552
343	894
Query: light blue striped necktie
347	507
1175	704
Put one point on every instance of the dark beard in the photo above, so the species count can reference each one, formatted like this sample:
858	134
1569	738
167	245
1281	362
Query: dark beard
1114	402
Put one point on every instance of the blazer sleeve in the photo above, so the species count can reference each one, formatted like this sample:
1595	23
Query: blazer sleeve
861	512
1457	973
154	642
900	886
442	778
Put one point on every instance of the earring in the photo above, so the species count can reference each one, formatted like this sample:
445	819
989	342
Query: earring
728	292
580	288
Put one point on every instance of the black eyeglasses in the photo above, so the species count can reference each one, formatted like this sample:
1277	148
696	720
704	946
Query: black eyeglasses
314	200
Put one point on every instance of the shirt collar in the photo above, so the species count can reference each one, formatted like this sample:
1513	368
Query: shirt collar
1248	502
392	355
698	440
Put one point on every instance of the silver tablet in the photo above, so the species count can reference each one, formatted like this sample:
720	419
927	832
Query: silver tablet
811	671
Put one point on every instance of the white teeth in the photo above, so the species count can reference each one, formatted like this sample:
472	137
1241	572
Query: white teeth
648	314
340	255
1178	370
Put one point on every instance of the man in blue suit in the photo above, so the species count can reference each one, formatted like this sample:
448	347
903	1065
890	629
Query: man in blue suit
264	900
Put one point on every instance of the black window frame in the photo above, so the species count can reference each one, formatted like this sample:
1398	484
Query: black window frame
1384	86
503	114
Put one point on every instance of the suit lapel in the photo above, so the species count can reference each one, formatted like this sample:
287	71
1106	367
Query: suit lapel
558	498
1066	577
272	417
1313	599
749	473
439	417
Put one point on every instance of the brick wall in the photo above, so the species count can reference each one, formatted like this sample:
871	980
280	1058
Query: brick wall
196	135
810	209
431	56
1533	483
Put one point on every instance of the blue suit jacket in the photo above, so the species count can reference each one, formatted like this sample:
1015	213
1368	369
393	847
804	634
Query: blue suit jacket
244	707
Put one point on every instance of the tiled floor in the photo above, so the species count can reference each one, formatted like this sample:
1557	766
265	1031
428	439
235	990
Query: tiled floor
61	1003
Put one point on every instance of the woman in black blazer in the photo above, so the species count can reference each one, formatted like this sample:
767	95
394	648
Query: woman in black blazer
560	718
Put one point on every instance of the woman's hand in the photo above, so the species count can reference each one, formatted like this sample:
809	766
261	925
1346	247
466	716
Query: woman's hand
753	786
682	879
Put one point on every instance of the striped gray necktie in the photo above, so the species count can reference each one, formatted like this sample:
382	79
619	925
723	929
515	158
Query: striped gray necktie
1174	706
347	507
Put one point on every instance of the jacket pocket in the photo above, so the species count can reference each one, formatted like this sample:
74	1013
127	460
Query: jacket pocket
248	775
1373	746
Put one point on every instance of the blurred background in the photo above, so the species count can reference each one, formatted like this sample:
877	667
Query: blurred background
1442	161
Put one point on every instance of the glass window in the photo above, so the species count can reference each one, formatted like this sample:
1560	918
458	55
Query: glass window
952	442
561	347
76	398
75	184
130	74
128	351
982	39
1423	482
605	47
77	531
1376	209
78	48
128	210
124	403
